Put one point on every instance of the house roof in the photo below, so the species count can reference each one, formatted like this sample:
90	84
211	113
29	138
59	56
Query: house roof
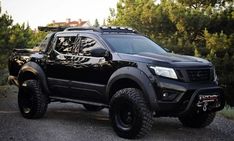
70	23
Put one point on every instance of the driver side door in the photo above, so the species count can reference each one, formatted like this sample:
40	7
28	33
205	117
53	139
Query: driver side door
91	72
59	65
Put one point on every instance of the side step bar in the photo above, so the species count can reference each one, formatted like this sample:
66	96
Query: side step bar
60	99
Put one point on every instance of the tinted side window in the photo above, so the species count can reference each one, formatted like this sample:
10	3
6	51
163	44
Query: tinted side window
65	45
87	44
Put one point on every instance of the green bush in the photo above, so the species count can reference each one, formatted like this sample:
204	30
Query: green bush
228	112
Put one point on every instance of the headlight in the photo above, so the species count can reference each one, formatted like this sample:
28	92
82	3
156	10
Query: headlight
165	72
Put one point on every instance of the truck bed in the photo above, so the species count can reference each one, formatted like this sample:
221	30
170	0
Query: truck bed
17	59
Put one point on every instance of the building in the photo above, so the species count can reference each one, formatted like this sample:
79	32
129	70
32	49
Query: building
70	23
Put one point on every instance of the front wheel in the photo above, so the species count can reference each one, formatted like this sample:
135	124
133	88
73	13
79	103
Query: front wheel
197	120
31	100
129	114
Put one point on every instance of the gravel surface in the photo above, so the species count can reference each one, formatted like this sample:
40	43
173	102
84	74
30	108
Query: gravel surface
70	122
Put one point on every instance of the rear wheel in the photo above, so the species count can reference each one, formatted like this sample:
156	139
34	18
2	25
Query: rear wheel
197	120
32	101
92	108
129	114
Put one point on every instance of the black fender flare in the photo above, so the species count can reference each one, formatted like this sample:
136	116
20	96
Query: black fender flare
140	78
35	69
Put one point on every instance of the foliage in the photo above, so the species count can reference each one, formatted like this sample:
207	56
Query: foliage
5	27
194	27
202	3
14	36
228	112
96	24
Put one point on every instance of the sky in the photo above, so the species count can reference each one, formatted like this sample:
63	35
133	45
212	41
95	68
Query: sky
42	12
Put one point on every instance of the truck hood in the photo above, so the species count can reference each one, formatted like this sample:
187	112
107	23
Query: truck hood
167	59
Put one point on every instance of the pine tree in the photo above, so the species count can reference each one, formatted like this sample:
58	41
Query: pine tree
96	24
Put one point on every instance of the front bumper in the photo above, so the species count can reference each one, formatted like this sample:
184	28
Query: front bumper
175	98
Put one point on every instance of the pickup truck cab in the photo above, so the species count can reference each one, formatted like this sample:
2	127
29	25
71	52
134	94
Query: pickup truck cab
119	69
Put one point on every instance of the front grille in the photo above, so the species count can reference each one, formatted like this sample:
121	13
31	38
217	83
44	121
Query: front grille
199	75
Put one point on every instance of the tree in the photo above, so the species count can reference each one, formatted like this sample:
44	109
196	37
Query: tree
96	24
15	36
5	27
203	3
222	21
142	15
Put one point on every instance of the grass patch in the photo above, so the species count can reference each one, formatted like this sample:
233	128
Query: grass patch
228	112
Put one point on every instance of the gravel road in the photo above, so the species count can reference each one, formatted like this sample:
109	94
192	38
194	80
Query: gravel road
70	122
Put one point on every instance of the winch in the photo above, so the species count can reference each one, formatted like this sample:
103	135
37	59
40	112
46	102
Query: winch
205	100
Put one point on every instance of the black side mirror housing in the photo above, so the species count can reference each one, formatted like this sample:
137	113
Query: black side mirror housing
100	52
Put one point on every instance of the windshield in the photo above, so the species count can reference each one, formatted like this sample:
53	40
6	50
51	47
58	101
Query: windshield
132	44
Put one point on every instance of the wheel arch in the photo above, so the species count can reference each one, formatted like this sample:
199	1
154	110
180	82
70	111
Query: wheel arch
132	77
32	70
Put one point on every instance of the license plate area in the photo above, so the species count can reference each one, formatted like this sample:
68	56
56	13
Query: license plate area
208	101
208	98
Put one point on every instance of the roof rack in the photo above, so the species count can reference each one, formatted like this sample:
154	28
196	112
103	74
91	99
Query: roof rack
53	29
81	29
103	29
111	29
118	29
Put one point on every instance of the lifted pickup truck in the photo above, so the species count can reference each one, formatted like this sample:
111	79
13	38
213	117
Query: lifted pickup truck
119	69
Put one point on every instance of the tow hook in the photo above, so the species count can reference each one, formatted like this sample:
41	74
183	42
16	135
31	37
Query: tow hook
203	105
204	108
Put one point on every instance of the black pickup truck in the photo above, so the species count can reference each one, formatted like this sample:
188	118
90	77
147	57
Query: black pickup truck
119	69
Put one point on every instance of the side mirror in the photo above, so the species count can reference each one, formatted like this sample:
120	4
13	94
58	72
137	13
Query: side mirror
100	52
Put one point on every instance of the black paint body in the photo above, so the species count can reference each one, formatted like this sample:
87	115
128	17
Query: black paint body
94	79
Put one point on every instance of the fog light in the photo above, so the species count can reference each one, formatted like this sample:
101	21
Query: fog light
169	95
165	94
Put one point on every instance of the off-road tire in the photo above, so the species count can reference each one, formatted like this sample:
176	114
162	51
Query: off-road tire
129	114
197	120
92	108
32	101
